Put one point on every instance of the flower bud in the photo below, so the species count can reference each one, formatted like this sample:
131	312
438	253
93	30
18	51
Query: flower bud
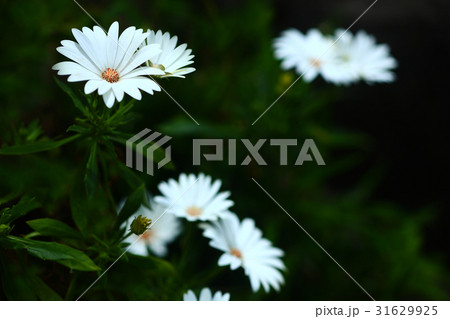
140	224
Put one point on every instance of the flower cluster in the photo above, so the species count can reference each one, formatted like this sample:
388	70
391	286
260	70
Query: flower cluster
114	65
343	58
197	198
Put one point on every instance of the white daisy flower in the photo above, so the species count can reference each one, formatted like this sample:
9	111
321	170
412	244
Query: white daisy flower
362	59
309	54
164	229
350	59
206	295
172	60
243	246
109	63
195	198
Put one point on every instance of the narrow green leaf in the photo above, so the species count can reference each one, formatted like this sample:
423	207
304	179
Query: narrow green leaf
65	255
54	228
91	176
76	101
78	201
77	129
36	147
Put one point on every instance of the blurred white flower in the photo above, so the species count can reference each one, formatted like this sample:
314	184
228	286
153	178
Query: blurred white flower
350	59
206	295
195	198
243	246
164	228
172	60
362	59
309	54
109	63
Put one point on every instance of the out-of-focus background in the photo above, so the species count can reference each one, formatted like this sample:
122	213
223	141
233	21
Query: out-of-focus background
380	206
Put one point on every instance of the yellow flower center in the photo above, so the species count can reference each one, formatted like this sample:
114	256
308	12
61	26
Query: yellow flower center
194	211
110	75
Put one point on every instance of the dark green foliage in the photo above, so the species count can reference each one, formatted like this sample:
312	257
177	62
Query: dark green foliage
62	171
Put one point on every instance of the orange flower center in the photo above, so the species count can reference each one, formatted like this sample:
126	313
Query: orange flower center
194	211
236	252
110	75
146	235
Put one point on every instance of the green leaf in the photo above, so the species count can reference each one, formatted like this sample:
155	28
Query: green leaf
91	176
65	255
132	204
36	147
54	228
76	101
41	289
121	116
78	201
23	207
77	129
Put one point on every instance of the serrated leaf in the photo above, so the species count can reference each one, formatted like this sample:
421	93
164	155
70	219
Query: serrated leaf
54	228
65	255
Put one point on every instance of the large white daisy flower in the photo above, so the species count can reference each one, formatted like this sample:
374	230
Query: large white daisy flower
206	295
362	59
243	246
172	60
195	198
109	63
164	229
309	54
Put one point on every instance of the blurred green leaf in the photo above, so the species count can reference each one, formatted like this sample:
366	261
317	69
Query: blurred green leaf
75	99
132	204
41	289
23	207
91	176
78	207
157	155
54	228
36	147
65	255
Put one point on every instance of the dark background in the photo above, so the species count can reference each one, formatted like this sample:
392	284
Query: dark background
409	120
